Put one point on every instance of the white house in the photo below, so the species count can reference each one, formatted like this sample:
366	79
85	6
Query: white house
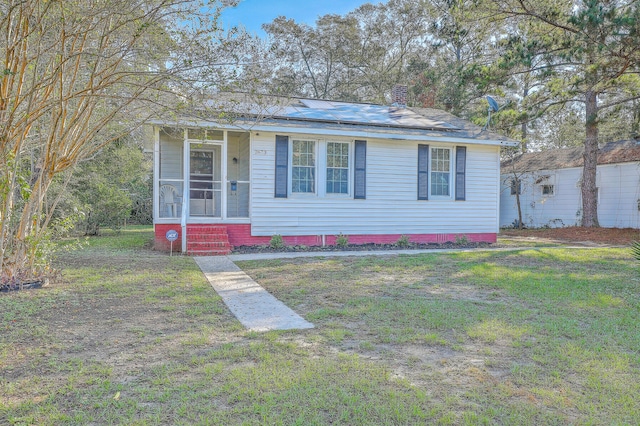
309	170
549	184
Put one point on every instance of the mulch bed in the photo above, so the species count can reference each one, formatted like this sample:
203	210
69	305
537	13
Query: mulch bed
613	236
20	286
356	247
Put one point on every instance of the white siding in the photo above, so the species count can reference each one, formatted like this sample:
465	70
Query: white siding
391	206
619	195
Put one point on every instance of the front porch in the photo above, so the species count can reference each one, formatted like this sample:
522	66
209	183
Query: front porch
201	181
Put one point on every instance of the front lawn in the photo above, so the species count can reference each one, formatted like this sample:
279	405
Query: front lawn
131	336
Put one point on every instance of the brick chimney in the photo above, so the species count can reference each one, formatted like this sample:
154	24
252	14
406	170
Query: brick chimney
399	96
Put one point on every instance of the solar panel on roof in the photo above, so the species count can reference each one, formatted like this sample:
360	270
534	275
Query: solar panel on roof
316	103
349	113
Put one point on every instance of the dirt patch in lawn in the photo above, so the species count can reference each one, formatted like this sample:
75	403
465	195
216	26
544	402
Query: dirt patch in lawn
125	312
574	234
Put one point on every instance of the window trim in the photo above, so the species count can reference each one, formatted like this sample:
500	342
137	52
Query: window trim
452	174
548	185
320	164
324	146
290	166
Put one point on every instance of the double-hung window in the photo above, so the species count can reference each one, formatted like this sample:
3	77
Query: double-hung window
337	172
303	166
440	172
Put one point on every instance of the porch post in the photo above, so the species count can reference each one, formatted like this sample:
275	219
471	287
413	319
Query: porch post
156	174
185	190
223	177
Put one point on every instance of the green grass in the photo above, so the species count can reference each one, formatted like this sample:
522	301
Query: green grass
539	336
130	336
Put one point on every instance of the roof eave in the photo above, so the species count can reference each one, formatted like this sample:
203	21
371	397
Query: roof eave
291	128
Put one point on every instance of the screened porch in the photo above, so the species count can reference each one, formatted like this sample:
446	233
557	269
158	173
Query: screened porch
202	175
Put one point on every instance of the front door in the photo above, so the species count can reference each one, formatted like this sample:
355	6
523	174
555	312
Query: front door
205	183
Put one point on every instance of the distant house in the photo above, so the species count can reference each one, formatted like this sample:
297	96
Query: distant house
309	170
549	185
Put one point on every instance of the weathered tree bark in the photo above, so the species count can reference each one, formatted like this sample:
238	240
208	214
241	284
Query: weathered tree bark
518	183
589	190
523	127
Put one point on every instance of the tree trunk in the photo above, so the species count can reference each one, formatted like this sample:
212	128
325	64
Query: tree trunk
589	190
520	226
523	126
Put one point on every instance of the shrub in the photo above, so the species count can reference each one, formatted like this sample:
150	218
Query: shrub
403	241
342	240
462	240
276	242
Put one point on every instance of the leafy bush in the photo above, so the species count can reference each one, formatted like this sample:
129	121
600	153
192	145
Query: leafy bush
462	240
403	241
112	188
276	242
342	240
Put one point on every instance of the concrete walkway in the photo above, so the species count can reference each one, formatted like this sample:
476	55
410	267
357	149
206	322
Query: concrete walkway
254	307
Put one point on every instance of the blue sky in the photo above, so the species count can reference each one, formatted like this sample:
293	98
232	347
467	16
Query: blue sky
253	13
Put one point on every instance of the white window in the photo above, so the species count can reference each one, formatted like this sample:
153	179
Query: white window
337	173
440	172
303	166
321	168
548	190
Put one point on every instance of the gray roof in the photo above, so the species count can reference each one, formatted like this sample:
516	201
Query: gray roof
349	116
552	159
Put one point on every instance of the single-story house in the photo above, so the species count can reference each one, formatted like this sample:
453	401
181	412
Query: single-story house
549	187
309	170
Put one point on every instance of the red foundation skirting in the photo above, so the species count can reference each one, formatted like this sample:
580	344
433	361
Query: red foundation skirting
240	235
160	243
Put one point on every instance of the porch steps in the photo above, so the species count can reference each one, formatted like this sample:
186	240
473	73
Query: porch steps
208	240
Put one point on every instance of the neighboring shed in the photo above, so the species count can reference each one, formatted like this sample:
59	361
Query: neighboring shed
549	184
309	170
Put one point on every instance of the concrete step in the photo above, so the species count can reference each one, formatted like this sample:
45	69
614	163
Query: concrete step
211	252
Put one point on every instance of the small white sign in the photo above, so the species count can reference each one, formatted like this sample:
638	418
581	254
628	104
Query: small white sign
172	235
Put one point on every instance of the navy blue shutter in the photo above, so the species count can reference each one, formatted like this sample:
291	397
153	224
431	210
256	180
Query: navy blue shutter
423	172
360	170
461	167
282	166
